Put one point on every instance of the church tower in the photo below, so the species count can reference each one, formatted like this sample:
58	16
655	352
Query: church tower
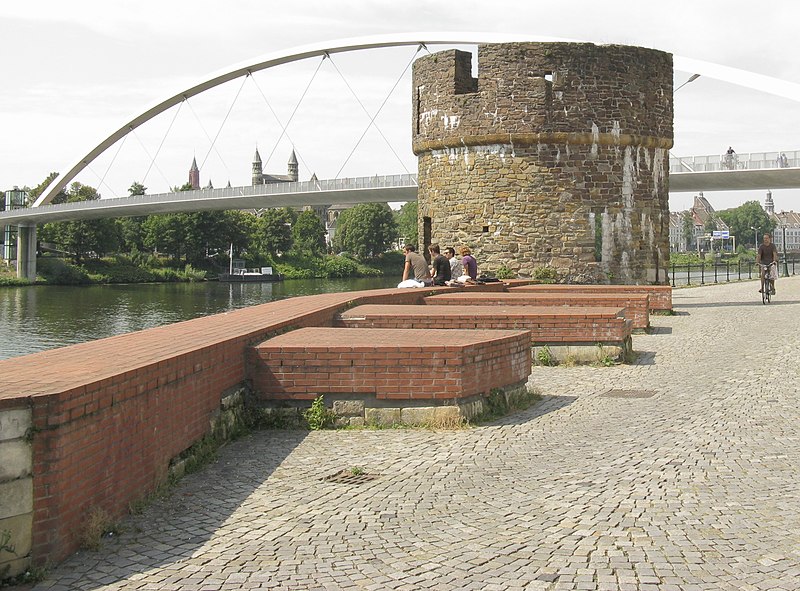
257	172
769	204
194	175
292	168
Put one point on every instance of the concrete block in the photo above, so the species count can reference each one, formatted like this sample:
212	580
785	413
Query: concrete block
15	459
21	529
349	408
16	567
357	421
14	423
16	497
382	416
423	415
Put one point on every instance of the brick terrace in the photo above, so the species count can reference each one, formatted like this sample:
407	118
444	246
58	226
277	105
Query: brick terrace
635	306
547	324
660	295
389	363
110	414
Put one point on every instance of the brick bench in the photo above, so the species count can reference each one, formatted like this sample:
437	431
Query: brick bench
660	295
549	326
636	306
382	372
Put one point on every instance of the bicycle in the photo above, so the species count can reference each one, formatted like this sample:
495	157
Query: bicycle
767	281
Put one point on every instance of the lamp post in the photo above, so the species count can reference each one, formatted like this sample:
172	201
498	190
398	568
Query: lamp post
755	236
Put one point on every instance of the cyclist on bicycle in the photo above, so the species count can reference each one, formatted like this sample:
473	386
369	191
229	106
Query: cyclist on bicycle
767	255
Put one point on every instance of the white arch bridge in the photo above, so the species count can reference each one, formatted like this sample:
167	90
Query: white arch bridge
396	188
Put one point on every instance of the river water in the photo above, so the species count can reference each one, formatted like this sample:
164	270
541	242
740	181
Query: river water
41	317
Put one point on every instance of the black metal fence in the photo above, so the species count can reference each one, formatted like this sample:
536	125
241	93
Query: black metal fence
719	272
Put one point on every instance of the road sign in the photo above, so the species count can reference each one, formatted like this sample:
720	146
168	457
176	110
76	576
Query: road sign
720	234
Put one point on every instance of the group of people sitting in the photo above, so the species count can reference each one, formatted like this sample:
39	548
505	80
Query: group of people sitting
445	269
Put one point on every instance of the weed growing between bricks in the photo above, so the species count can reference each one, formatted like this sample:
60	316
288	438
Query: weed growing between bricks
33	574
98	524
499	405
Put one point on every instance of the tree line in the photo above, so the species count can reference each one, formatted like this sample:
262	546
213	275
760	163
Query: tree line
262	236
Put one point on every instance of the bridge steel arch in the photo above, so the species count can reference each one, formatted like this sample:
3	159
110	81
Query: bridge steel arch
736	76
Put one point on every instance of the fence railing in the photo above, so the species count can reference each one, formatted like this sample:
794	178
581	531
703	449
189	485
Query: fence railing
721	272
750	161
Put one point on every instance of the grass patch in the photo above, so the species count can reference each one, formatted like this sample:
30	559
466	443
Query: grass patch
98	524
499	405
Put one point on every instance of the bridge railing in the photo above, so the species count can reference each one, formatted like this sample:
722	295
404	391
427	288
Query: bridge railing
720	272
748	161
344	184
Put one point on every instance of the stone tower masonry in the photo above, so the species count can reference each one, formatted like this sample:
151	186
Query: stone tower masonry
555	156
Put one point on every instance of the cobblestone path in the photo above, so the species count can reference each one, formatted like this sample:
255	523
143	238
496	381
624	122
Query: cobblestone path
694	483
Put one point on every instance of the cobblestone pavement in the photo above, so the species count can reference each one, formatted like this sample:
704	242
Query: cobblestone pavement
694	487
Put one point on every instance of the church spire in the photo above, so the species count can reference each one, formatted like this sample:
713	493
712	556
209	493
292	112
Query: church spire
293	168
194	174
258	177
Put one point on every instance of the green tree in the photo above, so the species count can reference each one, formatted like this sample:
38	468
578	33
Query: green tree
82	237
33	194
165	234
274	231
137	188
741	221
240	229
688	229
308	234
406	218
365	230
130	229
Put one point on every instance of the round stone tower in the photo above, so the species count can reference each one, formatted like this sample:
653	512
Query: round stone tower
555	156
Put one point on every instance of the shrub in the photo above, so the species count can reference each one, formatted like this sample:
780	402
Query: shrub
505	273
339	266
191	274
544	356
59	272
545	274
319	416
9	281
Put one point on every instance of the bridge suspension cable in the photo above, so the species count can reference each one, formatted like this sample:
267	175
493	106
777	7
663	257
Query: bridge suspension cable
152	158
171	123
208	135
383	104
363	108
297	106
280	123
110	164
216	137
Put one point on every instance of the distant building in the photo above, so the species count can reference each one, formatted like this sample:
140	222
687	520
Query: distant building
259	178
194	175
689	230
787	223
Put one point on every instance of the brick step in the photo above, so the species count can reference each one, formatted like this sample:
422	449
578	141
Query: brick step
547	324
388	364
635	306
660	295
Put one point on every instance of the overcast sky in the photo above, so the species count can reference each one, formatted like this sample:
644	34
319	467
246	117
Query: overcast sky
73	72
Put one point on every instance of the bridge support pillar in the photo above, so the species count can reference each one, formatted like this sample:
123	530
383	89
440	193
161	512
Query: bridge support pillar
26	252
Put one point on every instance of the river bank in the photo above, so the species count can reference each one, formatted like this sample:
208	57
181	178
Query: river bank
40	317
